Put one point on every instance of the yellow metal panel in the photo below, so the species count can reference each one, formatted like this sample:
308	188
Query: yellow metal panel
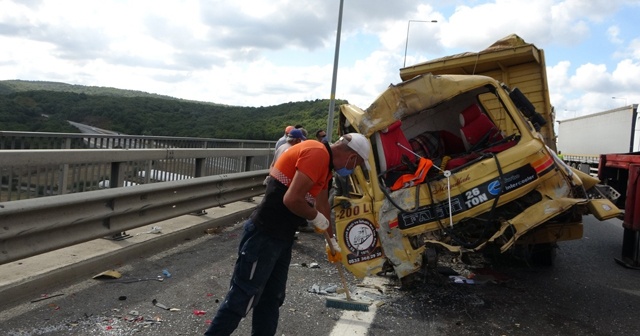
510	60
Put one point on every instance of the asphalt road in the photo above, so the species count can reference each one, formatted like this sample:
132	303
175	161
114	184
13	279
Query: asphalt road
585	293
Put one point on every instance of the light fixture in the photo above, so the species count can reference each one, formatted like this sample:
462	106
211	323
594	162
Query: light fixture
406	43
625	100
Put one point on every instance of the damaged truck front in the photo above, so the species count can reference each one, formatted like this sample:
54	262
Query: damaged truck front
458	164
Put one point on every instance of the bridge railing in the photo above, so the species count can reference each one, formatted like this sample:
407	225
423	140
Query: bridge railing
47	164
48	140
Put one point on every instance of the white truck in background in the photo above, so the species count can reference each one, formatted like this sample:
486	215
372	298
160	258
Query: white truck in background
583	139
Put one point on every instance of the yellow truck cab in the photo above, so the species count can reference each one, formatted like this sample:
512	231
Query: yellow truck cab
458	163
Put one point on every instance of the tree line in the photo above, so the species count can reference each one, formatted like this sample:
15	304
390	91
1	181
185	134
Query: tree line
46	106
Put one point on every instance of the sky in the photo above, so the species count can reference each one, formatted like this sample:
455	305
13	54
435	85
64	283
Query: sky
263	53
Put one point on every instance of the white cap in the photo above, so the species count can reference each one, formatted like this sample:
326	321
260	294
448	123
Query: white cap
360	144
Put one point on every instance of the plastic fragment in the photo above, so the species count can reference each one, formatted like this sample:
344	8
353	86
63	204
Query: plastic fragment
159	305
110	274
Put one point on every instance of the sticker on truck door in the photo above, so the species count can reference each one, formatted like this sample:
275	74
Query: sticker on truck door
361	239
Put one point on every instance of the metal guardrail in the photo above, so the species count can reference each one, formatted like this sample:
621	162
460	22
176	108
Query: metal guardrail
35	173
34	226
163	182
50	140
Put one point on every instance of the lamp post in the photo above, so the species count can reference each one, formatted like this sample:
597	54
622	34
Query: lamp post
406	43
332	98
625	100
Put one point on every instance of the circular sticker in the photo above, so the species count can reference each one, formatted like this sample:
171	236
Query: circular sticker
360	236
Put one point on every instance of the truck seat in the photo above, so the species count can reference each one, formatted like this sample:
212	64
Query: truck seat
477	128
478	134
436	144
389	153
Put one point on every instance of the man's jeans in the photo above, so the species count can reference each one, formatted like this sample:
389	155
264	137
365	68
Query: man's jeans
259	281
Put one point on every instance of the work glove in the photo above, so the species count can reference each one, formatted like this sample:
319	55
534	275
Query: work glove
336	256
320	223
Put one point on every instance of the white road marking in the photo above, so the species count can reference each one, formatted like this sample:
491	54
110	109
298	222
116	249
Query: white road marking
357	322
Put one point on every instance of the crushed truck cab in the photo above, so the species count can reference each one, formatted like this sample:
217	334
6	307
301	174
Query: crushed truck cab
456	164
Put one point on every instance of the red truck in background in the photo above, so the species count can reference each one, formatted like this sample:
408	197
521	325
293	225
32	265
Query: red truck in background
622	172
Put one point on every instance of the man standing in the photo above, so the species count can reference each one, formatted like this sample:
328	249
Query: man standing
321	135
283	138
297	193
295	137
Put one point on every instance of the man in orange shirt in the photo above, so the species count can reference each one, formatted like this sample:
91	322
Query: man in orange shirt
297	193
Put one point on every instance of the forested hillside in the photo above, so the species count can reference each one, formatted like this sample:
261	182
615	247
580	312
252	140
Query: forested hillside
45	107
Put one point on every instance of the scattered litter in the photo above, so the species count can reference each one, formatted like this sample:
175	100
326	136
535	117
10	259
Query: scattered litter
214	230
122	298
110	274
45	297
461	280
166	273
154	230
199	312
314	265
159	305
158	278
331	289
315	289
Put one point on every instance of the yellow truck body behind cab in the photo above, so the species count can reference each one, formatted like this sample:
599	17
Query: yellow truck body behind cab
494	181
511	61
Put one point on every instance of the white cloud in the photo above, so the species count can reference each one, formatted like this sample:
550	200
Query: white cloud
259	52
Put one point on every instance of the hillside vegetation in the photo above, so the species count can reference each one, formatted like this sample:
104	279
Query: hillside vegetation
46	106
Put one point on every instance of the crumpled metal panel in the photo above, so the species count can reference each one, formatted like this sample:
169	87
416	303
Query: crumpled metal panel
409	97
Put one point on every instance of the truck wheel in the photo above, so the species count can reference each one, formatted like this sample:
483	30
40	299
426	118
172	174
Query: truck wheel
543	254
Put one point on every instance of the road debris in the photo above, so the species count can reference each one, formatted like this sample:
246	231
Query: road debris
154	230
46	297
110	274
159	305
132	280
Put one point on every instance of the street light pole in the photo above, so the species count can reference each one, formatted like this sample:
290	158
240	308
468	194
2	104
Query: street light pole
406	43
332	98
625	99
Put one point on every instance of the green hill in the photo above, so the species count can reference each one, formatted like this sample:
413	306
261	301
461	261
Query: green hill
46	106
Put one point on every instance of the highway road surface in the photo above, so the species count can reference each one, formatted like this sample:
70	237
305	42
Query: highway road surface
585	293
